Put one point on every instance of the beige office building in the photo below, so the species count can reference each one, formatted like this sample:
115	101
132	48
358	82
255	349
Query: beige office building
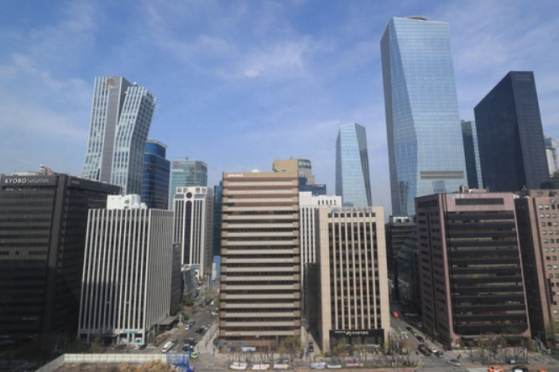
260	292
302	167
538	229
352	277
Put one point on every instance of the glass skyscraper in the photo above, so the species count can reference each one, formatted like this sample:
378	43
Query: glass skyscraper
120	119
425	149
157	170
510	135
471	153
352	166
187	173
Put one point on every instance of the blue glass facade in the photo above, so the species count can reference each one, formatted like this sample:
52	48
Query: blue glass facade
352	166
187	173
319	189
157	170
425	149
471	154
510	135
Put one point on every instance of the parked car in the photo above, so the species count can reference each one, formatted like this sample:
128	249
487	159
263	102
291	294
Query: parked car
420	339
439	354
410	329
423	350
143	346
453	362
519	369
495	369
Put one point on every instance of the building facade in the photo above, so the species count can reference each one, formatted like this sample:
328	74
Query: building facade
510	135
194	228
218	192
471	153
425	149
126	282
397	231
43	224
353	182
538	229
260	287
157	172
187	173
120	120
302	167
472	281
308	205
353	282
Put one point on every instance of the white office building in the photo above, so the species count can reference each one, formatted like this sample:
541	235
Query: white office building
126	285
308	205
193	208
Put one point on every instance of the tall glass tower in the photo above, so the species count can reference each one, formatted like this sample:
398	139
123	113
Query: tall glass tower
120	119
187	173
425	149
471	153
353	182
157	170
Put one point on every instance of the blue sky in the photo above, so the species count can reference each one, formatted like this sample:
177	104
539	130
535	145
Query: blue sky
241	83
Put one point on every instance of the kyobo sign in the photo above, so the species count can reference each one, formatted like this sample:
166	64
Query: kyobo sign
26	181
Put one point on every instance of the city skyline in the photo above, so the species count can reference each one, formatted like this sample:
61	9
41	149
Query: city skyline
228	95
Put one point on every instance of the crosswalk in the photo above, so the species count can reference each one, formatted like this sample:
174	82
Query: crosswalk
433	361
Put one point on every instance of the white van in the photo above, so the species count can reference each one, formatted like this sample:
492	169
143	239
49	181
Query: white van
168	346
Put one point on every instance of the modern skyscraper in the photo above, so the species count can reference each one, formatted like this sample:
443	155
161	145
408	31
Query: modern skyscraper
260	290
120	119
510	135
187	173
352	290
425	149
353	182
194	227
551	154
470	267
157	171
126	285
471	153
43	226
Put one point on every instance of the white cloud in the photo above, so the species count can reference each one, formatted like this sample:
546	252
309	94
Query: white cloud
252	73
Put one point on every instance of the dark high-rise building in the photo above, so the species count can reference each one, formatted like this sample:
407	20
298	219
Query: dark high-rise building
157	172
218	192
471	153
43	224
398	229
472	280
510	135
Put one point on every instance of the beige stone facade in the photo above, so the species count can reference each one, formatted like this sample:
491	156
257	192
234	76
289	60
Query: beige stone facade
260	299
353	281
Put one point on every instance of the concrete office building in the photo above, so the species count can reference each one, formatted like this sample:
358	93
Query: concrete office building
353	181
352	293
471	153
472	281
302	167
43	222
194	228
510	135
538	228
187	173
157	173
425	149
126	283
120	119
260	290
308	205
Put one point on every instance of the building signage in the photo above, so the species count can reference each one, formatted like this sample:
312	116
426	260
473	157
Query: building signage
352	210
235	175
355	332
26	181
248	348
